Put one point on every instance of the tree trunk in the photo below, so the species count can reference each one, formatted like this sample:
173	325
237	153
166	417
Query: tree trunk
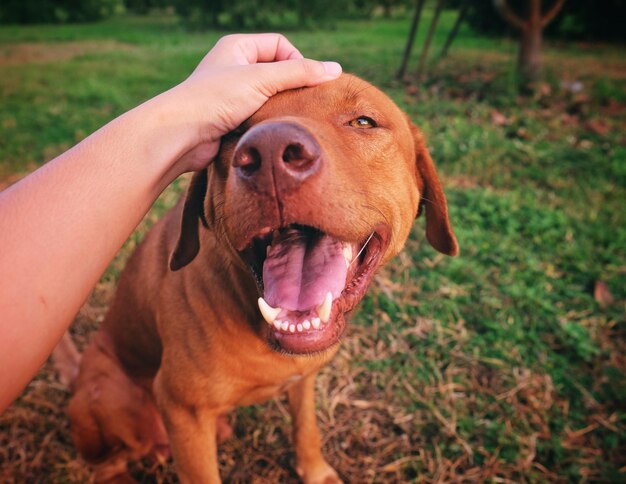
455	30
429	38
529	54
387	9
409	42
530	27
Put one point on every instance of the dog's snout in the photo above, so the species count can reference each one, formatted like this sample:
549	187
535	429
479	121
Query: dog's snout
279	153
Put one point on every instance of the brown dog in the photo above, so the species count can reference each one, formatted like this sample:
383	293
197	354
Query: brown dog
242	291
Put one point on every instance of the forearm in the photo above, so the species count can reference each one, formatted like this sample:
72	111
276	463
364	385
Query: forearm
62	225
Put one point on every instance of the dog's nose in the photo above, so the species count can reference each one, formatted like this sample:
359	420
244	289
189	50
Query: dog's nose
281	153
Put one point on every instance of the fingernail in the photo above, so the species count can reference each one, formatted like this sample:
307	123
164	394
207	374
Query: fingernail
333	69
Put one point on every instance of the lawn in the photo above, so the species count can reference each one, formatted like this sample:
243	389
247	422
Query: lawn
507	363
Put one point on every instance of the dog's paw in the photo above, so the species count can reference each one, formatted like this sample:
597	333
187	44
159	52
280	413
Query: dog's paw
321	473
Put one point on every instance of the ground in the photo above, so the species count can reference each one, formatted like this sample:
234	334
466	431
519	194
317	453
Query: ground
506	363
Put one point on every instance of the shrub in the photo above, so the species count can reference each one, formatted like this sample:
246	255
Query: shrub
57	11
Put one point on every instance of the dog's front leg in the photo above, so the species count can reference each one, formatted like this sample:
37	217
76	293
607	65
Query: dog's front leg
311	465
192	432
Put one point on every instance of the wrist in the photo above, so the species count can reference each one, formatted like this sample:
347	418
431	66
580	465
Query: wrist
171	130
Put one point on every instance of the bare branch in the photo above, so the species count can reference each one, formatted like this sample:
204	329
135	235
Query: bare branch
508	14
549	16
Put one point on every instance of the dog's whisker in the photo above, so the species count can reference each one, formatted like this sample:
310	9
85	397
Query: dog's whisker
362	248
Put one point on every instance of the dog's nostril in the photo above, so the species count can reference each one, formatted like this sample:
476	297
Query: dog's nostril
247	161
297	156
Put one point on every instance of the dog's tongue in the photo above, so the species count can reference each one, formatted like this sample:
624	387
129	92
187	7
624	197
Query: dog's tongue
301	267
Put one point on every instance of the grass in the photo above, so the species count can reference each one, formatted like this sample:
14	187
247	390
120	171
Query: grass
496	365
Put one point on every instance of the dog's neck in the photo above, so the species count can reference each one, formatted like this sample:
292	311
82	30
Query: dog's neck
227	284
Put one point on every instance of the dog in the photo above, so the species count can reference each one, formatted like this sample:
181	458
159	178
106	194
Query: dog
243	290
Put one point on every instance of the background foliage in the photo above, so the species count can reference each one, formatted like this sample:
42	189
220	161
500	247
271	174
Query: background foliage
57	11
580	19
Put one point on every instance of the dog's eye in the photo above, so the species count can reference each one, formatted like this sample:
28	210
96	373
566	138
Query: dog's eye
363	122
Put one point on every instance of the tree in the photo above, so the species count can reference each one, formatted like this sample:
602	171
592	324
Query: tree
429	38
578	19
419	4
530	28
464	7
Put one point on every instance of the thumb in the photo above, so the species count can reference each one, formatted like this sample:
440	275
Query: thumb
290	74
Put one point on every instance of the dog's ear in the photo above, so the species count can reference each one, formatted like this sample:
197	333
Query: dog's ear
438	229
188	243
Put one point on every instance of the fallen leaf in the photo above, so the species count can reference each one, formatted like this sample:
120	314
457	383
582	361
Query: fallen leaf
411	89
598	126
498	119
523	133
602	294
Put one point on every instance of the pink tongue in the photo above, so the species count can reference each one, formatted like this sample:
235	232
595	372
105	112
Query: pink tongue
301	268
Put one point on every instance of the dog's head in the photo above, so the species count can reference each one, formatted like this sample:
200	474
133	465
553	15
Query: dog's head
312	194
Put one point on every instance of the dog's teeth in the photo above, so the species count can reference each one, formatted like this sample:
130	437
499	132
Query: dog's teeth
323	310
292	328
347	253
277	323
284	326
299	327
315	322
267	250
306	324
269	313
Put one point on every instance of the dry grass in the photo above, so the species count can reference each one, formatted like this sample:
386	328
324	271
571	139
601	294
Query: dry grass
39	53
369	436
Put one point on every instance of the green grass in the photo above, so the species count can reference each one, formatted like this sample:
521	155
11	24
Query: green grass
496	364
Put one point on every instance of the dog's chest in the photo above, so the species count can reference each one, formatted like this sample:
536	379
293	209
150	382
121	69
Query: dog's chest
270	374
263	392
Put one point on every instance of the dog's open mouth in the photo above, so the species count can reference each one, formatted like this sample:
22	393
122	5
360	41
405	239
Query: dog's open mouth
309	280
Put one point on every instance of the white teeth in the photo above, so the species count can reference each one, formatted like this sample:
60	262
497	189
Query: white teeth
323	310
267	250
305	325
269	313
347	253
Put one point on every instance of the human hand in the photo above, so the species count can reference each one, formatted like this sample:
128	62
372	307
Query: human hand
233	81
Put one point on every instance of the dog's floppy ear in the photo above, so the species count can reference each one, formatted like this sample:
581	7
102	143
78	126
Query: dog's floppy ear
188	243
438	229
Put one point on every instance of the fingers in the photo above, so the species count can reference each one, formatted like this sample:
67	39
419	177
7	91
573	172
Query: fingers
268	48
244	49
294	73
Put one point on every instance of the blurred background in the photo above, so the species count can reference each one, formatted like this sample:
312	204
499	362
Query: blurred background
505	364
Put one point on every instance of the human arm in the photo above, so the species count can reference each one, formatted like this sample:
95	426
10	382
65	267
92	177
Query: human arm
61	225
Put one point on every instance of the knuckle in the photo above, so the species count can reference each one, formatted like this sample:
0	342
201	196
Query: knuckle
311	68
229	40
